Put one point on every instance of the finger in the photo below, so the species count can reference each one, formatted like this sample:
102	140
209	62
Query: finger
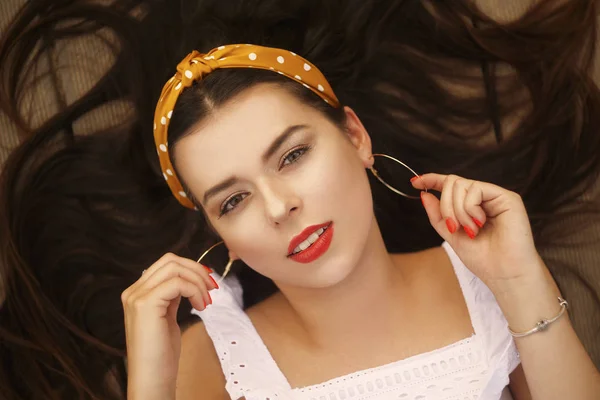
435	182
432	207
162	295
458	201
473	205
170	257
175	269
201	269
446	204
173	307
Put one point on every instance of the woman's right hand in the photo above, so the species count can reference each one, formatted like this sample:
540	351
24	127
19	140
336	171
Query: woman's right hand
152	333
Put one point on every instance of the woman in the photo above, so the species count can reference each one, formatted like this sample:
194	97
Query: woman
85	215
280	176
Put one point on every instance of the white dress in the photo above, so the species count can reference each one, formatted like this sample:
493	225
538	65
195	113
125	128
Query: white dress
477	367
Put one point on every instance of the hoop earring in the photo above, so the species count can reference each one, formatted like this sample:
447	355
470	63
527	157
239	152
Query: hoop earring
227	267
393	189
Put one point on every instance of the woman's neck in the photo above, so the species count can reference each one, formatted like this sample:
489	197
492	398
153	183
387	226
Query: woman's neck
371	294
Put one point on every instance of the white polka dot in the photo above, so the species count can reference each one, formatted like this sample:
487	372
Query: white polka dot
169	114
169	172
221	47
171	80
326	101
307	67
221	59
209	58
252	56
163	121
182	193
292	53
298	77
195	61
165	176
321	88
154	126
163	148
178	86
280	60
189	74
306	86
280	73
272	68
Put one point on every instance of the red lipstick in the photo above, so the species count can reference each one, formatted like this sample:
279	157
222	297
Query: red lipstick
315	250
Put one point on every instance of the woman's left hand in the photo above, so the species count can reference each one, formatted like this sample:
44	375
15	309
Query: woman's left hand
486	225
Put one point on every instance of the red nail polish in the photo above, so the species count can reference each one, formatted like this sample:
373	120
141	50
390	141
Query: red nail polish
451	225
209	298
414	178
214	282
210	271
204	301
469	232
478	223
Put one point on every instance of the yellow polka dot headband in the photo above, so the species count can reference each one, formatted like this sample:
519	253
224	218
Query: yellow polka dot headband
196	66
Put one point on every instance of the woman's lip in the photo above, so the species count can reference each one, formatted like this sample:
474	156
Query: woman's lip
302	236
317	249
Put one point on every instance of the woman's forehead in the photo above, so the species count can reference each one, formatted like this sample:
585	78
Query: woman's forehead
257	115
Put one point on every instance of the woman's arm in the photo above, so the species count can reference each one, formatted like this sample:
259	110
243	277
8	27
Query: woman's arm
496	244
200	374
555	363
518	385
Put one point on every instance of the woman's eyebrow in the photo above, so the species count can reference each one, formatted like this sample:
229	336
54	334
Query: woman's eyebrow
280	140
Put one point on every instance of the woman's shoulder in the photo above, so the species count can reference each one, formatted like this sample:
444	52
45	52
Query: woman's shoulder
431	269
199	367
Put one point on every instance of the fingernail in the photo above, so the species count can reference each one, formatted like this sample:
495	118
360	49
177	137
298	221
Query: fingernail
469	232
214	282
209	298
423	198
210	271
414	178
478	223
204	301
451	225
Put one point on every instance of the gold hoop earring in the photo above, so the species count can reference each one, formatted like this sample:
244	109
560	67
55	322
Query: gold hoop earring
227	267
393	189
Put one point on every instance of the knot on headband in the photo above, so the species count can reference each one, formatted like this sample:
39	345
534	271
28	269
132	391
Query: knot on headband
196	66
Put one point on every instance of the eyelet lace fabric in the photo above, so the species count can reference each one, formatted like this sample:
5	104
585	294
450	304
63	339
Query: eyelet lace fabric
475	368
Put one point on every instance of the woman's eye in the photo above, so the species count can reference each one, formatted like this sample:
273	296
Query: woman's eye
293	156
232	202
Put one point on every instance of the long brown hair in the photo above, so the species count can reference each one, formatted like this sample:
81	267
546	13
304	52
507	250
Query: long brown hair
437	84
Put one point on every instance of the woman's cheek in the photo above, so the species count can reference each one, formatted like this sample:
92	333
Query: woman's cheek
247	236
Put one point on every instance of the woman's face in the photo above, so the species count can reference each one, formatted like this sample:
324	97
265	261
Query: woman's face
275	176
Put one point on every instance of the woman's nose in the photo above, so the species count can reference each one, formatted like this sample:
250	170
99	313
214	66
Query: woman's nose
281	202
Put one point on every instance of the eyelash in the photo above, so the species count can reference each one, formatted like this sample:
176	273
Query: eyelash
301	151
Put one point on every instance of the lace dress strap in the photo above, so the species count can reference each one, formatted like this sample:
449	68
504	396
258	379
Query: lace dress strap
247	365
489	324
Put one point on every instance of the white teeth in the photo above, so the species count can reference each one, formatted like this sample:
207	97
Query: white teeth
312	238
308	242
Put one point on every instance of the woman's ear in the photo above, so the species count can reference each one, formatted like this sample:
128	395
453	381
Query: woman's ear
359	137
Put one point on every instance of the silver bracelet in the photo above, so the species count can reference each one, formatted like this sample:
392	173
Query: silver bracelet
544	323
